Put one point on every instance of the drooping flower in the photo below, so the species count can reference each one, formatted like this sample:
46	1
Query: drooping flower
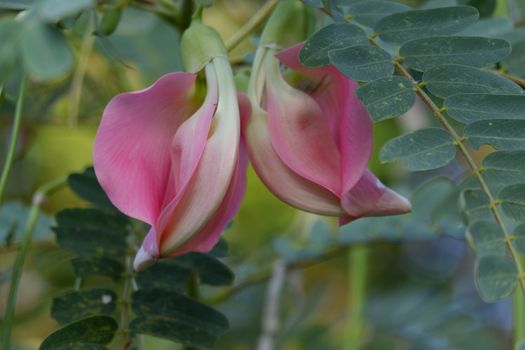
310	139
171	160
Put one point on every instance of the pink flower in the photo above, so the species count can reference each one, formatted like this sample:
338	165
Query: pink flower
171	160
310	144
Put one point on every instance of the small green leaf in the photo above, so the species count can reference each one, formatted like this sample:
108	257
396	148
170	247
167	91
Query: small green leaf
486	237
9	27
86	186
89	331
468	108
334	36
504	168
370	12
496	277
176	317
74	306
513	198
387	98
98	266
519	239
426	53
451	79
44	51
54	10
416	24
423	149
364	63
515	62
501	134
476	204
164	274
488	27
211	270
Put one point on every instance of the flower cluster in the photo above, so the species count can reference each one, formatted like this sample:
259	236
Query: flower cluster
174	155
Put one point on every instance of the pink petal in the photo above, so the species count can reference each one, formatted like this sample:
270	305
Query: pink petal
148	253
194	207
132	146
281	180
208	236
369	197
299	132
347	118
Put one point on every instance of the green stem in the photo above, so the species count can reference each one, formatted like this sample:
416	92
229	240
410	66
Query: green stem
126	301
16	273
252	24
14	137
357	259
519	319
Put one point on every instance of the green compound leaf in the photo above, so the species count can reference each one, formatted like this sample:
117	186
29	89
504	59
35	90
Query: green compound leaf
519	238
335	36
426	53
363	63
468	108
423	149
501	134
496	277
54	10
410	25
476	204
176	317
86	232
370	12
86	186
74	306
515	62
486	237
89	333
504	168
97	266
513	198
44	50
387	98
451	79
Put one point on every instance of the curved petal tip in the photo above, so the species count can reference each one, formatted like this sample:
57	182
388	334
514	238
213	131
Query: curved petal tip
143	260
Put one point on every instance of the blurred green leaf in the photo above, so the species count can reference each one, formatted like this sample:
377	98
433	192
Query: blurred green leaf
176	317
515	62
496	277
501	134
488	27
9	29
370	12
476	204
432	4
468	108
76	305
423	149
364	63
84	334
519	238
416	24
16	4
97	266
54	10
504	168
423	54
44	50
13	216
334	36
486	237
513	198
451	79
109	22
387	98
86	186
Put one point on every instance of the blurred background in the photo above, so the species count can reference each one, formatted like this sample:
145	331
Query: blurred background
419	286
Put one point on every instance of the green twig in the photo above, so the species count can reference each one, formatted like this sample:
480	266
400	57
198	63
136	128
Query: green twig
14	137
16	273
357	259
253	23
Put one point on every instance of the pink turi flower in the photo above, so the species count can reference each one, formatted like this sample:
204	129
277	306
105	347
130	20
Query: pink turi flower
173	161
310	139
